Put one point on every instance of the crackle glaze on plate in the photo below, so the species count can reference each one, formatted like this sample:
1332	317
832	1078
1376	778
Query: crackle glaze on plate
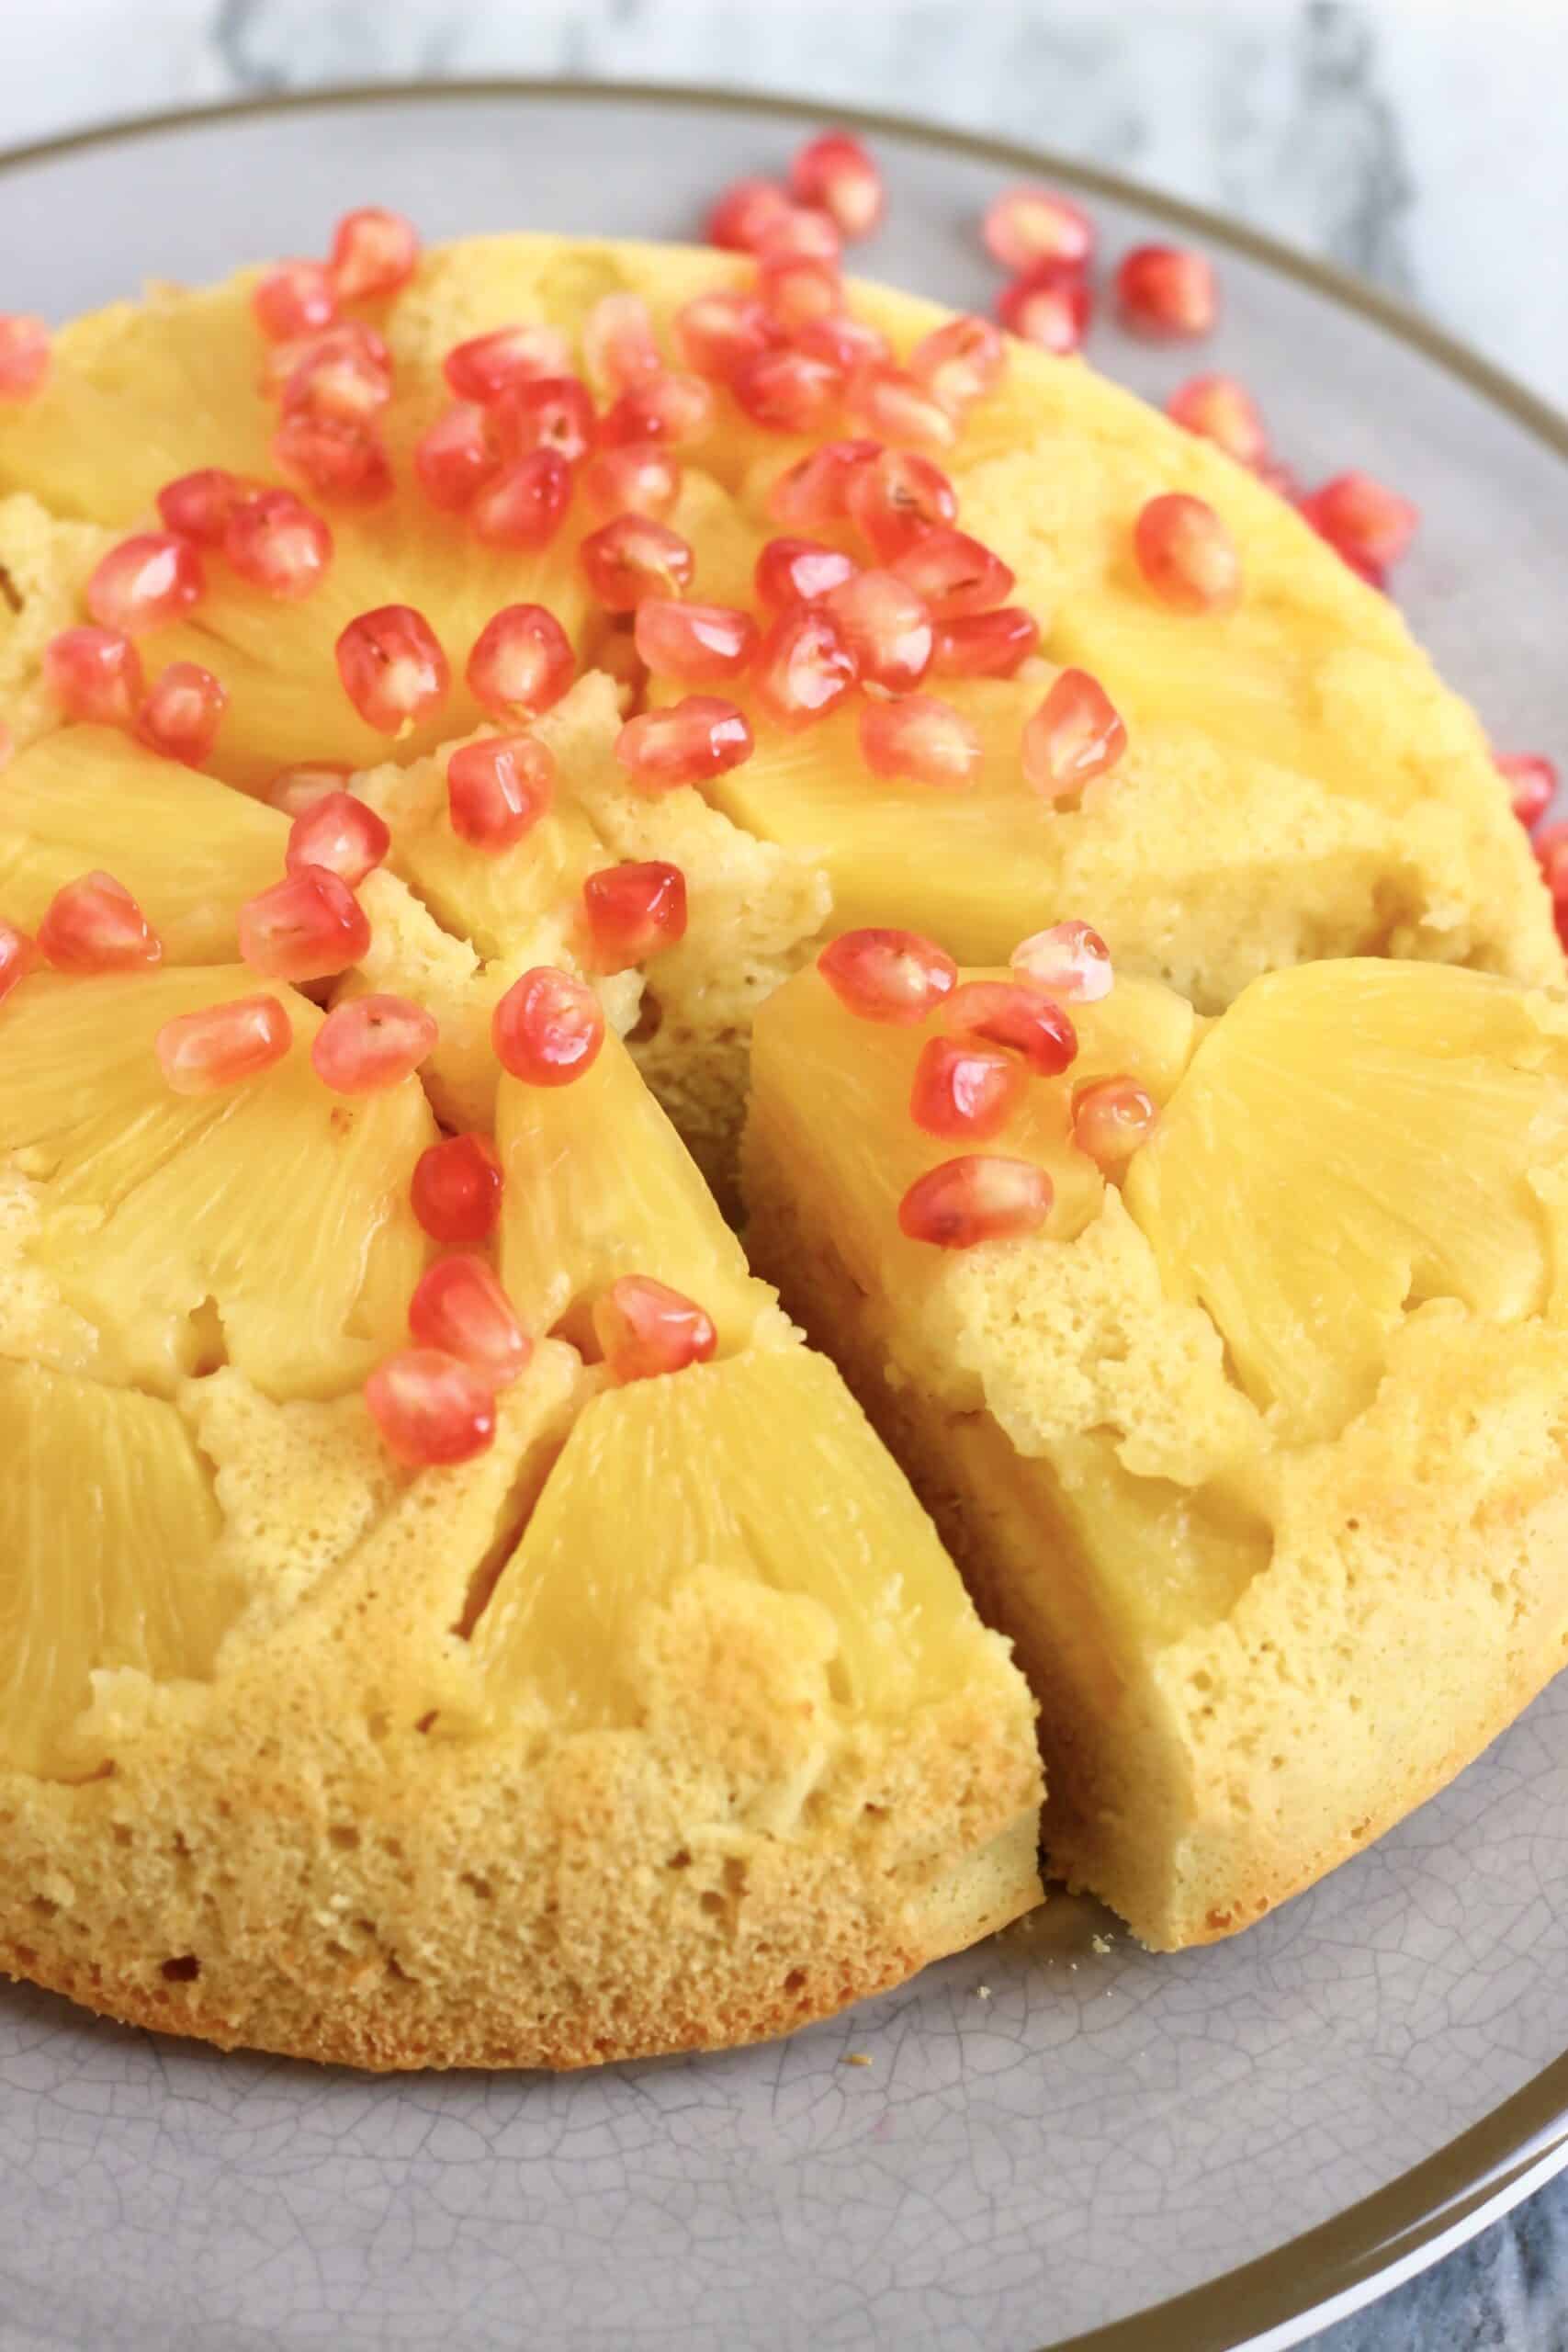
1056	2134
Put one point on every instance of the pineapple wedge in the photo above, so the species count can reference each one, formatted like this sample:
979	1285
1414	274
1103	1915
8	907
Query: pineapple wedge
1258	1458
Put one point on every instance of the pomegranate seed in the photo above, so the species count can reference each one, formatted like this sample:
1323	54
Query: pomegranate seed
635	557
978	1198
886	624
1112	1118
145	582
954	573
1069	961
805	667
342	462
920	739
799	289
95	925
340	375
798	571
24	355
787	390
814	491
619	346
1187	555
1007	1013
200	506
297	298
633	911
640	479
280	545
645	1329
525	505
457	1189
340	833
845	342
549	413
522	663
688	742
199	1053
548	1028
892	975
1049	309
1028	225
498	789
1077	734
744	214
460	1308
300	787
181	714
896	497
375	253
1532	782
94	674
836	174
431	1409
960	363
489	364
1168	293
1367	523
371	1043
964	1088
309	926
897	407
699	644
677	409
985	645
455	456
800	231
715	332
1220	409
18	955
392	668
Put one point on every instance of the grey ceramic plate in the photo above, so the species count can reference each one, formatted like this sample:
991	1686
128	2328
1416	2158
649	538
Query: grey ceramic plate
1057	2136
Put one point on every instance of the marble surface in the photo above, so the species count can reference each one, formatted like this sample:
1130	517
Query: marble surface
1409	139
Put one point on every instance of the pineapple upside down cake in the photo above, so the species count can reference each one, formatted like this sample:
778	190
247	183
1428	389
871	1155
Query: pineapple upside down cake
475	718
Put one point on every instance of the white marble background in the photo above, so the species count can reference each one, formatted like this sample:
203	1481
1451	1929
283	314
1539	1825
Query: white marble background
1421	142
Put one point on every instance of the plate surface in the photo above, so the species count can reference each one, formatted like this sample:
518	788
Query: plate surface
1057	2131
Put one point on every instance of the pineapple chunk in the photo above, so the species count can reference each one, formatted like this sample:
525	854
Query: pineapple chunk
762	1467
269	1226
107	1526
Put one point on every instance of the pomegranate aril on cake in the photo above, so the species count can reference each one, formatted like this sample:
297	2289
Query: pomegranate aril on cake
645	1329
279	544
547	413
459	1306
1112	1118
309	926
979	1197
701	645
920	739
1069	961
632	911
200	506
886	624
432	1409
548	1028
1077	734
1220	409
457	1189
1531	779
498	789
295	297
341	833
1006	1012
1167	293
788	391
1049	308
371	1042
338	461
964	1088
1187	555
985	645
805	667
685	742
893	976
94	674
202	1053
95	925
374	253
635	556
524	505
1028	227
148	580
182	712
1370	525
24	355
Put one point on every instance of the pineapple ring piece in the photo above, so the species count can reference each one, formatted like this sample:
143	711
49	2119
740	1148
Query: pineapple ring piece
1260	1457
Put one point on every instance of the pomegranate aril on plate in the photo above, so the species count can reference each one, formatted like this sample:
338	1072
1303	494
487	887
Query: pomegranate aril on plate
686	743
635	556
200	506
1027	226
297	788
1077	734
459	1306
309	926
985	645
498	789
894	496
1220	409
94	674
181	715
1187	554
814	492
886	624
1048	308
548	1028
95	925
620	349
919	740
788	391
981	1197
699	644
805	667
892	975
632	911
525	503
200	1053
715	332
897	407
645	1330
1069	961
342	462
431	1409
1008	1013
798	571
145	582
392	668
295	297
279	544
457	1189
840	176
375	253
371	1043
18	953
1369	524
1167	293
961	362
1531	779
340	833
801	230
640	478
744	213
549	413
954	573
489	364
1112	1118
522	663
675	408
964	1088
24	355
